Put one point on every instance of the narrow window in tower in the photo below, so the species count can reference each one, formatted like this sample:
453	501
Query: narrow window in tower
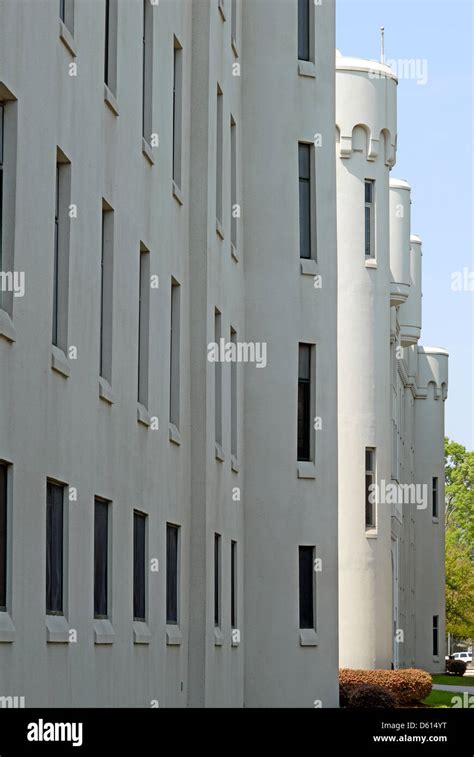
62	10
304	29
305	161
435	635
217	580
143	326
66	14
61	252
172	574
218	379
101	558
3	534
233	23
233	398
370	517
54	548
2	137
110	45
106	292
305	401
219	153
139	565
306	586
177	111
233	183
434	497
147	76
233	584
369	218
175	353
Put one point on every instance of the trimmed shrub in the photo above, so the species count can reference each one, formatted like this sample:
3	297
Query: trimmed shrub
345	690
456	667
410	685
371	697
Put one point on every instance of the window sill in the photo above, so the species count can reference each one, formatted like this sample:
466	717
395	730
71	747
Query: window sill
220	454
7	629
308	266
103	631
371	263
174	434
221	9
7	329
220	229
307	68
67	39
105	391
147	151
308	637
233	252
435	658
371	533
435	519
235	639
235	48
174	637
235	465
306	470
218	637
110	100
141	632
177	194
57	629
143	416
59	362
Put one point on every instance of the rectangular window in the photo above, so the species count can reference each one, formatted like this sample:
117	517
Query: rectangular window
143	325
147	78
175	353
106	292
435	635
177	111
305	401
8	195
54	548
305	159
233	398
2	154
304	29
233	182
369	218
110	45
101	558
233	584
139	566
233	22
434	497
306	583
219	153
61	252
172	574
3	534
217	580
66	14
218	378
370	519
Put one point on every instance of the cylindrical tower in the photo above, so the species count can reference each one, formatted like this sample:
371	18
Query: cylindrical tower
410	312
400	216
366	94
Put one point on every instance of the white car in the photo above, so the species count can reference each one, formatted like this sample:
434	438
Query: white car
464	656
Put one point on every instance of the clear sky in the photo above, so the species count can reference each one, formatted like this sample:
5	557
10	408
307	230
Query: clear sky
435	155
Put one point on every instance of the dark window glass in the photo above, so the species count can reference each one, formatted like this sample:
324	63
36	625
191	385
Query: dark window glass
304	155
56	260
139	530
62	10
54	548
217	580
435	497
303	29
369	219
101	535
306	567
369	482
106	41
3	535
435	635
172	533
2	122
304	403
233	584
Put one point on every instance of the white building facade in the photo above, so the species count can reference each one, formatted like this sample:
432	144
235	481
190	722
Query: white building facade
391	394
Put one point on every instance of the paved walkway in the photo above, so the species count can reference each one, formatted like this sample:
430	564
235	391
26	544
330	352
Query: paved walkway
445	687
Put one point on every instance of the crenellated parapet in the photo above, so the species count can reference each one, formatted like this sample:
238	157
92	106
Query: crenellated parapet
366	109
432	372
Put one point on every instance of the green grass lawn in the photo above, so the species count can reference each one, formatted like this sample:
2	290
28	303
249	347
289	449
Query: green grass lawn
454	680
440	698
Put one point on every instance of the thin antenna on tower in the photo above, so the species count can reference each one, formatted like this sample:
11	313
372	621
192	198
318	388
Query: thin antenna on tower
382	44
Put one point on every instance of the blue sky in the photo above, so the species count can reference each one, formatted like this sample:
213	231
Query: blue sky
435	155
